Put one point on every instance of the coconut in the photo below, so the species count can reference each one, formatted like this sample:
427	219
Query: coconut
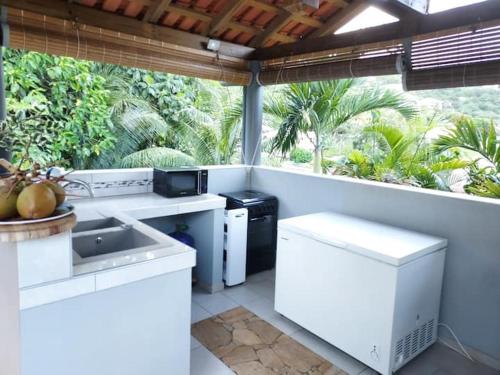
8	200
36	202
58	190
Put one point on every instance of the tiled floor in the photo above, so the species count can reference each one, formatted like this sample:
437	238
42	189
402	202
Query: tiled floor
257	295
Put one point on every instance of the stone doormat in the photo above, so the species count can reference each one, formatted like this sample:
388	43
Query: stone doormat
251	346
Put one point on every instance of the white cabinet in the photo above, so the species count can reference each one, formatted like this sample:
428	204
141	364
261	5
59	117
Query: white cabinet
381	313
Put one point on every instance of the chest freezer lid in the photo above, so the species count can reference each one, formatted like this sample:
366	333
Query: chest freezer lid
385	243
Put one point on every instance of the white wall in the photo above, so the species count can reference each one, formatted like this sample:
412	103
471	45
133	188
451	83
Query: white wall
225	179
471	292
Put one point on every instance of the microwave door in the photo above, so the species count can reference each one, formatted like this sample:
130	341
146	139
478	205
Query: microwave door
182	184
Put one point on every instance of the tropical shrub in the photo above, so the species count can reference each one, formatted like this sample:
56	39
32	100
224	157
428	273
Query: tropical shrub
399	157
300	155
480	139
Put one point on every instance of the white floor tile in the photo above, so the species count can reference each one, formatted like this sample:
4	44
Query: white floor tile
262	307
194	343
205	363
283	324
214	303
264	288
198	313
261	276
241	294
329	352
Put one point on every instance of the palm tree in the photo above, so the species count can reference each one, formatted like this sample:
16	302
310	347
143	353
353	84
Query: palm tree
481	140
136	125
212	127
317	109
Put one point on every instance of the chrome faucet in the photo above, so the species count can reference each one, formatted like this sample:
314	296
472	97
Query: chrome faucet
59	172
86	185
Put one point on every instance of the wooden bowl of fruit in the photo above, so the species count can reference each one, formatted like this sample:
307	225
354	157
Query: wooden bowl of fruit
29	197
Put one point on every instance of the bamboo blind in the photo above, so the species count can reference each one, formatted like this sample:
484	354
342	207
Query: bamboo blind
39	33
468	57
477	74
376	66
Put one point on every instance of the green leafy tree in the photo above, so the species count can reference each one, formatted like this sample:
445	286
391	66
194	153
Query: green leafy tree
57	109
315	110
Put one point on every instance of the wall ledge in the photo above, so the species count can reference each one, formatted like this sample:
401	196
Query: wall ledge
386	185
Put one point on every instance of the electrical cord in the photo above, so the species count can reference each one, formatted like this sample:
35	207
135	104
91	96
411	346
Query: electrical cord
464	352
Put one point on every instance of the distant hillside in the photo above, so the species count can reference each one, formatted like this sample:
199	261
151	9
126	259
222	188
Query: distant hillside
478	102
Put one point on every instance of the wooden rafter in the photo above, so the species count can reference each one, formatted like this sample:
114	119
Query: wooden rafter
468	16
188	12
279	21
340	18
71	11
155	10
225	16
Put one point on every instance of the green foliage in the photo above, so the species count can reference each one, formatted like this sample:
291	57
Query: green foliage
212	127
82	114
159	157
317	109
300	155
57	109
401	157
479	138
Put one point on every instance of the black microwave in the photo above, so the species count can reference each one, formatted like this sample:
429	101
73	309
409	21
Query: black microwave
172	183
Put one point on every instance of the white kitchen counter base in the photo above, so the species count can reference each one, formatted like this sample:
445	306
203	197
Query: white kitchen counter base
124	312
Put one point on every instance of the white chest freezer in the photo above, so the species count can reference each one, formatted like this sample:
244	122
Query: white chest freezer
369	289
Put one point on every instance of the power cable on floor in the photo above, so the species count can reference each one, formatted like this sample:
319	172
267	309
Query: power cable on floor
464	352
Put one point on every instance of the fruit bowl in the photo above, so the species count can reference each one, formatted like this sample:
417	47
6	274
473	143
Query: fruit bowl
60	212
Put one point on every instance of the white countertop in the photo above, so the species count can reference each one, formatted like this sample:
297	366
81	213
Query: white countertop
145	206
110	270
395	246
130	209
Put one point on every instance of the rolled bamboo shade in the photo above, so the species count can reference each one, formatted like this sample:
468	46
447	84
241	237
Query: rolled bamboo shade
374	66
477	74
469	57
39	33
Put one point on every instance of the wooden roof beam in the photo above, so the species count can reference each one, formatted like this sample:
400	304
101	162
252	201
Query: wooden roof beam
467	16
156	10
278	22
226	15
71	11
340	18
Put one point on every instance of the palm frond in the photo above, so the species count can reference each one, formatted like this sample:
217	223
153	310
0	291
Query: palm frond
474	136
157	157
351	106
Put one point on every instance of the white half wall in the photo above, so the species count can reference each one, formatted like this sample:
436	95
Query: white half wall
471	291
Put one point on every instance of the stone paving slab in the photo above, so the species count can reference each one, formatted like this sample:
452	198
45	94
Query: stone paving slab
251	346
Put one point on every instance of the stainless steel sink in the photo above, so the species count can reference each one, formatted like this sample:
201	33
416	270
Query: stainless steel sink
106	242
108	222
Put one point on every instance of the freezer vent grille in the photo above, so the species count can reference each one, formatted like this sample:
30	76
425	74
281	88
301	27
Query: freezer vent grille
430	330
414	342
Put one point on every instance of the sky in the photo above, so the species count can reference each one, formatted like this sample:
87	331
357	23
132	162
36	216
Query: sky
374	17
